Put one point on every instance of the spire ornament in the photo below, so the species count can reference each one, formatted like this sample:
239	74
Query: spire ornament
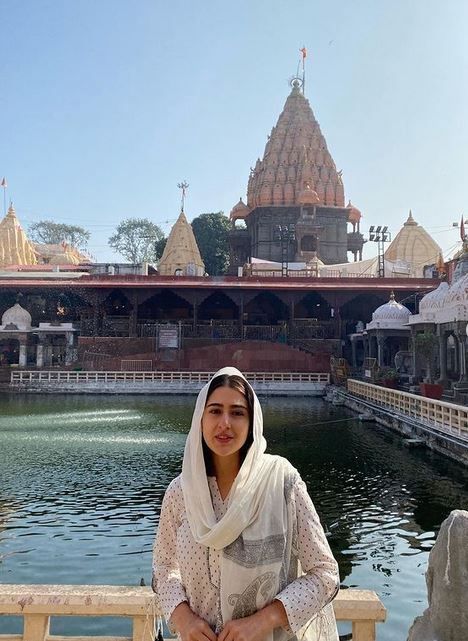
183	186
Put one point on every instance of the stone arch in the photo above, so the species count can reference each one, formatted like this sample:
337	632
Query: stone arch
219	306
165	305
361	308
117	304
312	305
266	309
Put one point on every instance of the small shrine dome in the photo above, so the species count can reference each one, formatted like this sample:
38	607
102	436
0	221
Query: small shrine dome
354	215
16	318
308	196
391	315
435	299
457	293
240	210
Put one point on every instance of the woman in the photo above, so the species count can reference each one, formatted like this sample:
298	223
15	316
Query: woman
240	554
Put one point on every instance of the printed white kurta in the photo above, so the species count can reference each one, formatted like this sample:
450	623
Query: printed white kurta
184	570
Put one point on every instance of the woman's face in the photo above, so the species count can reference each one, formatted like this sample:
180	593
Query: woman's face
225	422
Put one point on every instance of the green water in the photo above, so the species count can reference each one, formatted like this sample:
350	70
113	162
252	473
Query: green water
82	479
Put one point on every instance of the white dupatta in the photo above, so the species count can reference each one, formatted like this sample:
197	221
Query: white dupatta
256	532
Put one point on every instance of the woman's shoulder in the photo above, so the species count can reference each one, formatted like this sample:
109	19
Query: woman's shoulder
174	492
290	474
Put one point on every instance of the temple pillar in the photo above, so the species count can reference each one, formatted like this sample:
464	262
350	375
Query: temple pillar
380	346
40	354
69	348
462	351
133	320
442	380
23	354
353	351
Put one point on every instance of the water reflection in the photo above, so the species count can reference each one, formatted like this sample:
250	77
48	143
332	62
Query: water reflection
82	479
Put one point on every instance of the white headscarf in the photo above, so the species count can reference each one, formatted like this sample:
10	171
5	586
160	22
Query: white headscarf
247	490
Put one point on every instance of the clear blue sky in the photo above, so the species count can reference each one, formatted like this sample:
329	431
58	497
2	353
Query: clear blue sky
105	105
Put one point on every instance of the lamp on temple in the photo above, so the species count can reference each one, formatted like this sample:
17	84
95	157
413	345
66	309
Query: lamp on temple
285	234
380	235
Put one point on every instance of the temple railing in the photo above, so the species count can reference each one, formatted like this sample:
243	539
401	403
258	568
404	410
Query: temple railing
447	418
37	604
46	376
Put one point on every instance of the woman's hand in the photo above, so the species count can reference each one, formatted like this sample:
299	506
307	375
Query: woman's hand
256	626
189	626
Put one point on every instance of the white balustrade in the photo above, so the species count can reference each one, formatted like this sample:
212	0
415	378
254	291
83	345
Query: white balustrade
447	418
33	376
36	604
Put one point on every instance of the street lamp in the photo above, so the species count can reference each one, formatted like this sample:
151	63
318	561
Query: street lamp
380	235
285	234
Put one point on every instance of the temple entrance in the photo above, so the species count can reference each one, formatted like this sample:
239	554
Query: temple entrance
9	352
165	306
309	243
218	306
312	306
266	309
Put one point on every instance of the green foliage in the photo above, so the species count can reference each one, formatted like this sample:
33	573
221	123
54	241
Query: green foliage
212	235
387	374
137	240
46	231
426	344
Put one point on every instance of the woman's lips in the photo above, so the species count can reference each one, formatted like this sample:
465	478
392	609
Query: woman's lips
222	438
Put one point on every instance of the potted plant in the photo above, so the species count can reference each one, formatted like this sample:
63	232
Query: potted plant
388	377
425	345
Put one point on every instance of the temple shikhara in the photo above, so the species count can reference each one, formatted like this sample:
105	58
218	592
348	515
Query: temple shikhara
296	186
298	293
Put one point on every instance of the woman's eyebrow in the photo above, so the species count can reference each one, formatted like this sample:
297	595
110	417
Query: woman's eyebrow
214	404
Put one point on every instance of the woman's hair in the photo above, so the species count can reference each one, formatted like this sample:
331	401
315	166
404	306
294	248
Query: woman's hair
240	385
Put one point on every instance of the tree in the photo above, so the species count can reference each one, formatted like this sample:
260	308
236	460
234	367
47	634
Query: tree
212	235
46	231
138	239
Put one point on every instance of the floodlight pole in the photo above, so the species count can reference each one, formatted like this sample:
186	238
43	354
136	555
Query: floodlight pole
380	235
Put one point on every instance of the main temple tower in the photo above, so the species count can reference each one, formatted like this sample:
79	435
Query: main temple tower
296	187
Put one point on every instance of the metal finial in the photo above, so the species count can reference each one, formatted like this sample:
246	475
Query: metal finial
183	186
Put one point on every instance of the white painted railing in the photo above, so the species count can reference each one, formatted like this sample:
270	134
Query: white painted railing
36	604
448	418
46	376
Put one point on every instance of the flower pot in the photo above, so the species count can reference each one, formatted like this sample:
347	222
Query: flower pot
431	390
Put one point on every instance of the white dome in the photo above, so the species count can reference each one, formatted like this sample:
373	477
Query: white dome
434	299
458	293
391	315
17	318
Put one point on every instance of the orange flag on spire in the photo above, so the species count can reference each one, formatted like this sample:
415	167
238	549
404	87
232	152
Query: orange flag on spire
304	53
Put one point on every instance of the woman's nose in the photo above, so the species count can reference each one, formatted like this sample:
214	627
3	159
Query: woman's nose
224	419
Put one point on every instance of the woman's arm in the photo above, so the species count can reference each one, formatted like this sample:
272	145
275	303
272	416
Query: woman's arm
166	581
307	595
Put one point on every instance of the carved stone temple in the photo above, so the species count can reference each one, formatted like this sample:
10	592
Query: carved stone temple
295	207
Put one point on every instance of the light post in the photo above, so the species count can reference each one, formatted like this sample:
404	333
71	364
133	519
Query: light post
380	235
285	234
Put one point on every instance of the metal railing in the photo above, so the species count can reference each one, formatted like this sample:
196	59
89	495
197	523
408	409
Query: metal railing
36	604
445	417
48	376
